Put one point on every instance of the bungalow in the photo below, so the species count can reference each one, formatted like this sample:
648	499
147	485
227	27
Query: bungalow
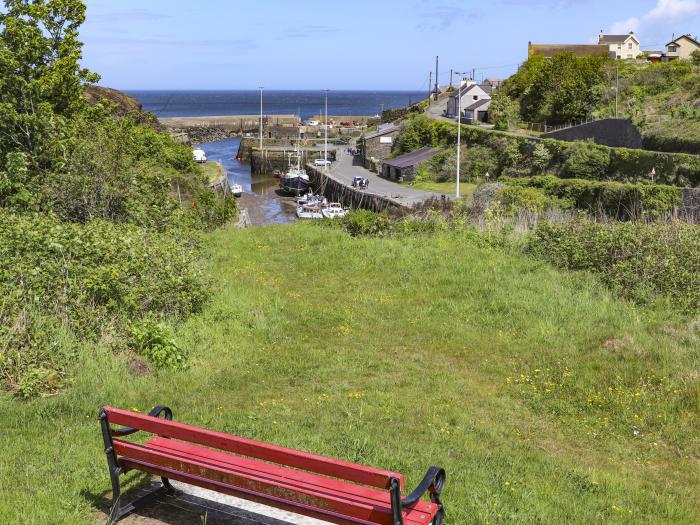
681	47
405	167
621	47
470	93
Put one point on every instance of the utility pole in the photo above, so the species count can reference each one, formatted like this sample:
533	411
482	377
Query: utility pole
261	116
450	78
430	85
459	128
437	76
474	74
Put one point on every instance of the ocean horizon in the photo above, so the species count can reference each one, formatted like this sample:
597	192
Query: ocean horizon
306	103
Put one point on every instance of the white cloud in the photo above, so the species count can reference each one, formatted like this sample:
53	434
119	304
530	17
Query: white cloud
665	13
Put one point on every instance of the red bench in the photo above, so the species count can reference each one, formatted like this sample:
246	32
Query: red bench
324	488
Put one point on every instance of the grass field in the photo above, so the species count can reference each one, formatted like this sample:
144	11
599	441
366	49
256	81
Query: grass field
213	171
450	188
546	399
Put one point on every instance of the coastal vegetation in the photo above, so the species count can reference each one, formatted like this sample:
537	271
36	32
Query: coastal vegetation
546	397
100	211
505	154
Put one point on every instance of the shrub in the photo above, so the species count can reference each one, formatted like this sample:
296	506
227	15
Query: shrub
640	261
364	222
586	161
516	198
155	341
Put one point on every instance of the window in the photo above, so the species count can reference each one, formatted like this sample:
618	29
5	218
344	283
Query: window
629	46
672	49
630	55
619	46
476	97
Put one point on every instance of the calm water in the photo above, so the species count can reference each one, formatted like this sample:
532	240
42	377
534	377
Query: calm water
305	103
270	207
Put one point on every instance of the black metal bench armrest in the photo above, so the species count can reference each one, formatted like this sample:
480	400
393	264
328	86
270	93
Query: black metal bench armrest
433	482
157	411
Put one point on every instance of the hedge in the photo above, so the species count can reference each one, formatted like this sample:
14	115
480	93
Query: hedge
616	199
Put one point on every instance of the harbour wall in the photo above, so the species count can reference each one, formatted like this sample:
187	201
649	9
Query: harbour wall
336	191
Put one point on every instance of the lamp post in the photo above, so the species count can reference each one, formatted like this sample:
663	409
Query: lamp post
459	126
325	142
261	115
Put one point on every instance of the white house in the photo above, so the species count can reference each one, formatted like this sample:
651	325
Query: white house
681	47
470	93
622	47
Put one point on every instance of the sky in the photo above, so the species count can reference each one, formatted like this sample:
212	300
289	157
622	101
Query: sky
361	44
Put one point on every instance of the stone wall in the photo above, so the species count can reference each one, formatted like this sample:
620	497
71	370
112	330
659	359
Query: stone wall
336	191
690	208
616	133
374	148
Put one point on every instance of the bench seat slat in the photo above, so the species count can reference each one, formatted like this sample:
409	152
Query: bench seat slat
275	472
330	503
256	449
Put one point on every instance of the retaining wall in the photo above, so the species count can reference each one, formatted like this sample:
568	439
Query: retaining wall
336	191
616	133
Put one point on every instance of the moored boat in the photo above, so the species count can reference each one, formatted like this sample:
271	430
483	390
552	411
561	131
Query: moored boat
309	211
334	210
237	190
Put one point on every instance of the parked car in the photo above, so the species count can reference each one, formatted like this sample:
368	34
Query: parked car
322	162
313	123
346	124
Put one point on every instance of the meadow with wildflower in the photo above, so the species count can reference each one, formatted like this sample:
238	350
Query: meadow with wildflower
547	398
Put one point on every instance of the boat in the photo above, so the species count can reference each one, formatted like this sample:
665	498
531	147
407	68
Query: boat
309	211
310	198
237	190
295	181
334	210
199	156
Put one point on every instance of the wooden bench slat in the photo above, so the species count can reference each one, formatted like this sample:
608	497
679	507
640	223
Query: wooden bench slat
256	449
275	472
307	498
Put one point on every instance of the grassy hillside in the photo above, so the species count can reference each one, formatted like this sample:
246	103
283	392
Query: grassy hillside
546	399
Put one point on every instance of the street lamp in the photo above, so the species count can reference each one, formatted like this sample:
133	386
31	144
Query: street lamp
261	115
459	125
325	145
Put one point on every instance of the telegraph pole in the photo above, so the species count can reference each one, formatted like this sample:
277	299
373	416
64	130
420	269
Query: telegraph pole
450	78
617	86
325	145
430	85
437	76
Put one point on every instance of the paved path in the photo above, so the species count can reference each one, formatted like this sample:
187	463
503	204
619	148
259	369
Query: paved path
348	166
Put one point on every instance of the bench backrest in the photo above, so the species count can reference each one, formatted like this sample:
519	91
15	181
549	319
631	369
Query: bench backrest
255	449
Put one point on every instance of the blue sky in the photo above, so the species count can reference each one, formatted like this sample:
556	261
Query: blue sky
361	44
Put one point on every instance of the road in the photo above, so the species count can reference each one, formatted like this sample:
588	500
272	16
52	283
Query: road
348	166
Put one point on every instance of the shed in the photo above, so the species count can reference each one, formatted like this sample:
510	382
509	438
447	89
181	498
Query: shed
478	111
404	168
379	144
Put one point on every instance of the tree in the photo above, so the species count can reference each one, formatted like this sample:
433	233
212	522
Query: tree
695	57
504	112
41	80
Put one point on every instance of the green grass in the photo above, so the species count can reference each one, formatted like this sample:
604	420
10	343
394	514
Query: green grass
465	188
213	171
529	385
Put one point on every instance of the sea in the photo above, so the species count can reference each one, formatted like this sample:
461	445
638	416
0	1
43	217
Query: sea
307	103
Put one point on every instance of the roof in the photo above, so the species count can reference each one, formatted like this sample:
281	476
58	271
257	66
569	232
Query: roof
616	39
684	36
389	128
412	159
466	88
478	104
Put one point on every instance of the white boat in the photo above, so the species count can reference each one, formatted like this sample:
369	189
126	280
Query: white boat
237	190
199	156
308	211
334	210
311	199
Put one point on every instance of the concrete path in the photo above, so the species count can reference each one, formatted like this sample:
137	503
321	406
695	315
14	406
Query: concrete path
347	167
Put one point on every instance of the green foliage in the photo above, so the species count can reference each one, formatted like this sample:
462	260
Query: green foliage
86	281
417	131
41	80
504	112
155	341
556	90
695	57
641	262
364	222
614	199
585	160
520	198
516	156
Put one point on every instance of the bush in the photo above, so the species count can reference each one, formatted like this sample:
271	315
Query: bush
155	341
516	198
585	160
364	222
642	262
85	281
